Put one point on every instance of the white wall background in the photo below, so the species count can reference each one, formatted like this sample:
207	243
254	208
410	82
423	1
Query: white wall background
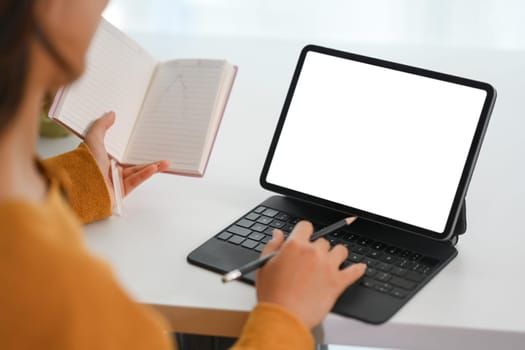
466	23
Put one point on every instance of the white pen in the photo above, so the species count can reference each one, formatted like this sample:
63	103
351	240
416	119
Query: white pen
117	207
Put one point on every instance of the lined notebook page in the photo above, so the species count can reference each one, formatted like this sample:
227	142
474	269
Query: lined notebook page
116	79
177	113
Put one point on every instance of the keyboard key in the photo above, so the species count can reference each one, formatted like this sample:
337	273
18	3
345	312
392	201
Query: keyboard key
250	244
257	236
361	250
402	263
224	236
350	237
400	282
414	276
375	254
424	269
398	271
384	267
364	241
370	262
415	267
368	283
295	220
245	223
259	227
409	264
282	217
398	293
269	231
288	227
383	287
259	210
405	253
266	239
355	257
252	216
382	276
338	234
388	258
236	240
378	246
415	257
264	220
260	248
393	250
332	241
370	271
277	224
270	212
239	231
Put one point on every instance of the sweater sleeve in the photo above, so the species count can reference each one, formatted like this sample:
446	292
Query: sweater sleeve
55	295
272	327
82	179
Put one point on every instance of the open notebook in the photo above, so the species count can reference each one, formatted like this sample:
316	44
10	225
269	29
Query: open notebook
165	110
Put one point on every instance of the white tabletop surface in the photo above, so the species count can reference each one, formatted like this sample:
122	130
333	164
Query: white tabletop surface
475	302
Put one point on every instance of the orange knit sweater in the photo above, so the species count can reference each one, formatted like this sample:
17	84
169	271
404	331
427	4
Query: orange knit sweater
54	294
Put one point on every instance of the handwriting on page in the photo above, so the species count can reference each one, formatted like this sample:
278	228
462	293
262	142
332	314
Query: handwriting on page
116	79
175	118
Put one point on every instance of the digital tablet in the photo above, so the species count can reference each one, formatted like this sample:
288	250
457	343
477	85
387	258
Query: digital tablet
390	143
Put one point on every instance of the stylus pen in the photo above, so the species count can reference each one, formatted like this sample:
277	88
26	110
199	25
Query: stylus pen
254	265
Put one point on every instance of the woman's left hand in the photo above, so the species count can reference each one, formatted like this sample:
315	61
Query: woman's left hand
130	176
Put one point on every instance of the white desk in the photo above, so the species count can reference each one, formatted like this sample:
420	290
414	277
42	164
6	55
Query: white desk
476	302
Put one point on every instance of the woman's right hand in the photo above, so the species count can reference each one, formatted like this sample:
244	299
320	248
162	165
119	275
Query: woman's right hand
304	277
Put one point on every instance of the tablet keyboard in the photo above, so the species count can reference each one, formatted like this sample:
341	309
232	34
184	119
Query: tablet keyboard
391	270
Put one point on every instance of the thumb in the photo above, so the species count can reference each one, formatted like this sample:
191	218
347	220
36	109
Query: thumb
350	275
275	243
101	125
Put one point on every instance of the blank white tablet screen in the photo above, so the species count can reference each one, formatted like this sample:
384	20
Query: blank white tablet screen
387	142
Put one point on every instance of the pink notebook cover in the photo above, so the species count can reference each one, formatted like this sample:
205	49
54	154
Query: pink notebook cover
60	92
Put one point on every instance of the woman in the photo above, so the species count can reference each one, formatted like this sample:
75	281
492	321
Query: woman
53	293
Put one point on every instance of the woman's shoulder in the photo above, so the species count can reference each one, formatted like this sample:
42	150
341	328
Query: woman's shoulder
51	218
36	234
37	247
53	288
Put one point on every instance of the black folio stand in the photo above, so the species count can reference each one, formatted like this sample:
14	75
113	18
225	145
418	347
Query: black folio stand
461	224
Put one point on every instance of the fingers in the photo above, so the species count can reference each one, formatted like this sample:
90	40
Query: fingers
351	274
338	254
135	175
322	244
133	181
302	231
163	165
275	243
100	126
130	170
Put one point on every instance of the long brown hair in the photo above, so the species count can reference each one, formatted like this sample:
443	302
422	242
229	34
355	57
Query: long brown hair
17	28
16	21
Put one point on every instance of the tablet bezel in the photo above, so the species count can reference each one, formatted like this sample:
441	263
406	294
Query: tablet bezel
468	168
